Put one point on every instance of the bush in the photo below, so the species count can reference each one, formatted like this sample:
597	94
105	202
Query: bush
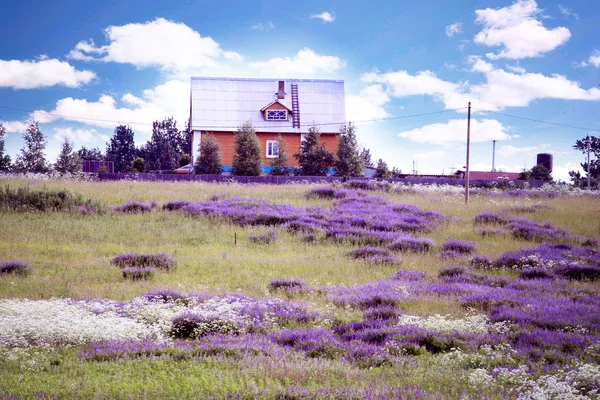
15	267
192	326
368	251
410	244
137	273
24	199
480	262
158	260
489	217
459	246
247	159
134	207
175	205
263	238
164	296
288	285
209	161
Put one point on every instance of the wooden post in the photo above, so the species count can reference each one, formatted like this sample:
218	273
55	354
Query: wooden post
468	149
235	238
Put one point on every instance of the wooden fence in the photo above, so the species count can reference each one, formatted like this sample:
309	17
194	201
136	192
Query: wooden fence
279	180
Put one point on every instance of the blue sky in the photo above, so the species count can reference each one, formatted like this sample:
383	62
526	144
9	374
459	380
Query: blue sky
131	62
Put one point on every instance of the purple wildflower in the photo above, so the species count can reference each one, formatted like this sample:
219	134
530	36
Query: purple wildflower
15	267
459	246
137	273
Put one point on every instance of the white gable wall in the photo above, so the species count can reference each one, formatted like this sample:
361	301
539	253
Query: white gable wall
222	104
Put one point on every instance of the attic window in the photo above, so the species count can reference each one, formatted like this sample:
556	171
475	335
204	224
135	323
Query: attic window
277	115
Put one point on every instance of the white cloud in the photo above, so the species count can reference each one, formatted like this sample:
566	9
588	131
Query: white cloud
168	99
516	69
160	43
76	135
510	150
325	16
593	60
453	29
518	31
501	89
14	126
368	105
305	62
263	26
45	72
567	12
455	131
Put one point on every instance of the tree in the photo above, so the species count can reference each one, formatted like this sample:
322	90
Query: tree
4	159
382	170
32	157
314	159
581	145
164	147
247	157
68	160
349	161
365	154
94	154
138	164
209	161
184	159
279	164
537	172
121	148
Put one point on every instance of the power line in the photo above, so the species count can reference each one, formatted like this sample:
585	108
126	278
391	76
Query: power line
540	121
233	127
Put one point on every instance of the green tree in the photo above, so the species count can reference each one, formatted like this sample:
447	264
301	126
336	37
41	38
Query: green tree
279	164
348	158
184	159
314	159
209	161
121	148
167	143
247	157
32	157
382	170
4	159
94	154
68	160
537	172
138	165
365	154
581	145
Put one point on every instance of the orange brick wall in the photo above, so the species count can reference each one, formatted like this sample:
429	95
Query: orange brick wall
225	140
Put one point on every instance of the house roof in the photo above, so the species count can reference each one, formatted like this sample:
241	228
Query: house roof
223	104
492	176
273	102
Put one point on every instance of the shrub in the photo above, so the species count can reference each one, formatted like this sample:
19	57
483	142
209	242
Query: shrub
490	231
263	238
24	199
164	296
451	272
247	157
137	273
192	326
209	161
410	244
489	217
536	273
368	252
288	285
579	272
15	267
158	260
480	262
382	313
175	205
459	246
134	207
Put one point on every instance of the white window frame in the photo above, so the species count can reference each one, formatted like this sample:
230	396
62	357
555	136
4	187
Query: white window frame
269	149
276	119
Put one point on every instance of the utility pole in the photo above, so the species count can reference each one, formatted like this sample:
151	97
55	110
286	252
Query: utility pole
468	149
587	142
494	156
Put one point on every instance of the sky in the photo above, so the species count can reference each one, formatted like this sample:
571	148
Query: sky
410	69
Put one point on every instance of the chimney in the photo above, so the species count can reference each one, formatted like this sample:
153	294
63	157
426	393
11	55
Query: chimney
281	91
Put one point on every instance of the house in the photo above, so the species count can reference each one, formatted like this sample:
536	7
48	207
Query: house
489	176
218	106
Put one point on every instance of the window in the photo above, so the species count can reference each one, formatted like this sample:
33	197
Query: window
272	149
277	115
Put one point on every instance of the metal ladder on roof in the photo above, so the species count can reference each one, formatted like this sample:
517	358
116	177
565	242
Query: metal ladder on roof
295	107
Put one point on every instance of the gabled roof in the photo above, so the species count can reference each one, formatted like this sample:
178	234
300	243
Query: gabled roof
223	104
273	102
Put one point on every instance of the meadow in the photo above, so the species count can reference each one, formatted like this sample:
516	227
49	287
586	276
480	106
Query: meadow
362	290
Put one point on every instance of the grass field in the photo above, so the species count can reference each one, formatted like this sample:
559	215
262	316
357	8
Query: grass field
71	253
